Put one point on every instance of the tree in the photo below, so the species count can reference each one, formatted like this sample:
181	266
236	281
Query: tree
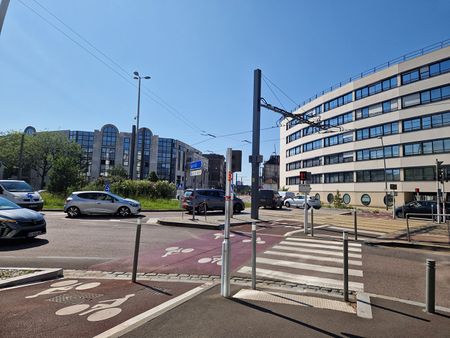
152	177
45	147
117	173
10	150
65	174
337	200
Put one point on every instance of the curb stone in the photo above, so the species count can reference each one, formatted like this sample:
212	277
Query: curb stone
39	274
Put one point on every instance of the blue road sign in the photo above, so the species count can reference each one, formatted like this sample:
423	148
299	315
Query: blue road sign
107	187
196	165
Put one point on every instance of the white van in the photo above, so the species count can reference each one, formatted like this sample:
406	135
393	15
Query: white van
21	193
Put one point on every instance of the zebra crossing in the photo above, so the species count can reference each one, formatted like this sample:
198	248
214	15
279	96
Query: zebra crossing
314	262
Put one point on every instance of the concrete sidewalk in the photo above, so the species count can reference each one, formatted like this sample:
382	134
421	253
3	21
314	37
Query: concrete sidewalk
274	314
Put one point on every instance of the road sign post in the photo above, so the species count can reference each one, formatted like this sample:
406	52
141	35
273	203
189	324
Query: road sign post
306	189
226	246
196	170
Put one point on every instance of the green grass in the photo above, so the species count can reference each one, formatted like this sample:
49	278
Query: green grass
53	201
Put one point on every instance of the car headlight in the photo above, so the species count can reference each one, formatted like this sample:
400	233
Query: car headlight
134	205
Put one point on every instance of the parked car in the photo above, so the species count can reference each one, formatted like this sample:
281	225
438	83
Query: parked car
270	199
299	202
286	194
209	199
21	193
17	222
100	203
423	208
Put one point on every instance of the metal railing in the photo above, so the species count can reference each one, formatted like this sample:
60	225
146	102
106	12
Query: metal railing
408	216
400	59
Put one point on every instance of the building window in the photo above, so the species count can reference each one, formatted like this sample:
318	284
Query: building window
293	180
316	179
376	153
337	102
340	177
294	136
317	196
426	96
419	174
427	147
376	131
312	162
330	198
425	72
293	151
346	199
426	122
338	139
312	145
365	199
313	112
377	175
376	88
338	120
292	123
310	130
293	165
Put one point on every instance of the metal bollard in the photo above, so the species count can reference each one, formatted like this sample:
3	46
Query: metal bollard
407	228
312	222
430	286
345	254
136	250
355	224
254	255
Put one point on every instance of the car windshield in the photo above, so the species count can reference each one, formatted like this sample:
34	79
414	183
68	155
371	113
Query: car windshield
115	196
188	193
7	205
17	186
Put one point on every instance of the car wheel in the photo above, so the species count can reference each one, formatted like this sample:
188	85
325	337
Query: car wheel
237	209
73	212
287	204
399	214
124	212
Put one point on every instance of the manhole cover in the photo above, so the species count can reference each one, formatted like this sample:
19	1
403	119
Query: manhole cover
74	297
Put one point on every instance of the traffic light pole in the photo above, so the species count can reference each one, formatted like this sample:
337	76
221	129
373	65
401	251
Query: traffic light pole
438	197
226	246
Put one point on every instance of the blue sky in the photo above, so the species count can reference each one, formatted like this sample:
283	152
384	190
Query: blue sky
200	55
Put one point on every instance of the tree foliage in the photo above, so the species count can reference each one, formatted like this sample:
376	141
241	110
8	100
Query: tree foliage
152	177
65	174
39	152
117	173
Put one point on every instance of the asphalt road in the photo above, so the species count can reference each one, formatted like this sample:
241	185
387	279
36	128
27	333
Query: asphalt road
82	242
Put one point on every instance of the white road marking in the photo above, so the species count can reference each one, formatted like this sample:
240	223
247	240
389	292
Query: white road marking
319	246
310	240
359	231
305	266
363	307
311	257
71	257
323	252
295	278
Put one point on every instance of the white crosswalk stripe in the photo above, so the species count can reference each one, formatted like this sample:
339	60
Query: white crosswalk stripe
311	262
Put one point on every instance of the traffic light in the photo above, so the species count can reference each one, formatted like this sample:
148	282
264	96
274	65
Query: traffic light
439	171
236	161
305	176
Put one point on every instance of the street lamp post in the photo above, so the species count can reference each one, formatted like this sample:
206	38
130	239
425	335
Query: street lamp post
385	174
135	150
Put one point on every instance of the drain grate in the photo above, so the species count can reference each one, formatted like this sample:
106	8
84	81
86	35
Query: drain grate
74	297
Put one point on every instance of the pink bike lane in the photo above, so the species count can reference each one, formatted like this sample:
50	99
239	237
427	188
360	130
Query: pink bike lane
200	256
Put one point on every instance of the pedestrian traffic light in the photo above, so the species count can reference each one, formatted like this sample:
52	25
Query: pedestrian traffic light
441	172
236	161
305	176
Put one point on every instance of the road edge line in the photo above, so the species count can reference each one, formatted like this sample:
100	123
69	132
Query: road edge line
136	321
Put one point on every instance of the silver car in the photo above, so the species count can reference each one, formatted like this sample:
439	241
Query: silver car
100	203
299	202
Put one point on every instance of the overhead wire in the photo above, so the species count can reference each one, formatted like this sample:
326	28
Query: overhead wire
147	92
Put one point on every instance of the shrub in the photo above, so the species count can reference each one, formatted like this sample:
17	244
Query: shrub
337	200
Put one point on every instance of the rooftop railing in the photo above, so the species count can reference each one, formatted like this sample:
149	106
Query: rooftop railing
403	58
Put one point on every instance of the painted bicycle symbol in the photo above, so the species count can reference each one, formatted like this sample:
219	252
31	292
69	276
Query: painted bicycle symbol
213	260
63	286
98	312
220	235
174	250
258	240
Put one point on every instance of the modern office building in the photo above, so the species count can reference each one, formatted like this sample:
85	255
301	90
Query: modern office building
385	126
169	158
216	170
271	173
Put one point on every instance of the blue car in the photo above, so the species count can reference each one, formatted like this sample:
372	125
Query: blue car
17	222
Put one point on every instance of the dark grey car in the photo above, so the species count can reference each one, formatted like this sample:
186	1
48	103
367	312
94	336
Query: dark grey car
209	199
17	222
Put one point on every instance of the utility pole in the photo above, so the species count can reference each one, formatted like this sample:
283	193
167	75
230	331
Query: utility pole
255	158
3	8
438	191
226	245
